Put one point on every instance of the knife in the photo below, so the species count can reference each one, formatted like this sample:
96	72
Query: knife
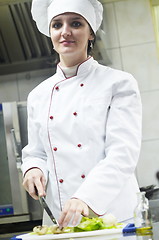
47	209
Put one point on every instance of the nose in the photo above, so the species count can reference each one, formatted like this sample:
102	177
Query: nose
66	31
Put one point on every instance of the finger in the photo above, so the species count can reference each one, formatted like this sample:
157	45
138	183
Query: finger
72	214
67	219
34	187
85	211
28	185
68	213
65	215
77	216
40	188
43	180
81	210
32	191
25	183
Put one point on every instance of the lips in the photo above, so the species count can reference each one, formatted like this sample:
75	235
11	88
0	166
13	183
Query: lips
67	41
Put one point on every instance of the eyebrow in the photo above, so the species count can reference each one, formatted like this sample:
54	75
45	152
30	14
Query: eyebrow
73	18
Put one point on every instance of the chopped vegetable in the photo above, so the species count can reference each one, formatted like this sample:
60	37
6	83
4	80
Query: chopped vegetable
91	224
86	224
110	220
40	230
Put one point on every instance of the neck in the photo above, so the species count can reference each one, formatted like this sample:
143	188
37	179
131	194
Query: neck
71	61
69	71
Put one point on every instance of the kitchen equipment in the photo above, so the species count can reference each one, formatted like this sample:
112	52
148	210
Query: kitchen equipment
154	209
152	193
15	204
142	216
47	209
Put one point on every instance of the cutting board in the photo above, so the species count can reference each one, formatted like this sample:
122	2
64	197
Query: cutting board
123	229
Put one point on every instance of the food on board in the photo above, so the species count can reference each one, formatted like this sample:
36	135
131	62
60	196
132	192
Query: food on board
110	220
86	224
40	230
54	229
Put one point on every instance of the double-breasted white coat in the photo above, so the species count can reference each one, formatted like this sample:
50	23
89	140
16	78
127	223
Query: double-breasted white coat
84	133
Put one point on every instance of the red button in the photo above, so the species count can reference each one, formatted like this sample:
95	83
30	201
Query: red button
79	145
51	117
55	149
61	180
81	84
83	176
75	113
57	88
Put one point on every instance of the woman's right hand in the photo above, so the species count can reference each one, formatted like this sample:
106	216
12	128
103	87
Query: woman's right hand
34	183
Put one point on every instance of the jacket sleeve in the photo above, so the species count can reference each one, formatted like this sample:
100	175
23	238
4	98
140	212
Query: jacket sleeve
122	147
33	155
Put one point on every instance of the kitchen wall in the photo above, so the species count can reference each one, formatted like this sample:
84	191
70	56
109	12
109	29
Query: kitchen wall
15	87
131	46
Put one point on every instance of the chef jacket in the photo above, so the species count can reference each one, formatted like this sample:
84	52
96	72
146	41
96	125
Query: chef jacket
84	133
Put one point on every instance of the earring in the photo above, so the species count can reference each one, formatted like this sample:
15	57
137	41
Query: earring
91	44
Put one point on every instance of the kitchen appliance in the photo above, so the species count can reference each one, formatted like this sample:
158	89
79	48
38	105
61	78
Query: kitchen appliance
15	204
152	194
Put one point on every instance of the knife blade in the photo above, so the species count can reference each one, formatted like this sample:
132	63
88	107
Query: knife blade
47	209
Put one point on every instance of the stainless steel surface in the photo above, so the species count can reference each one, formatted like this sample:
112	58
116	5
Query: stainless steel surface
34	206
47	209
154	208
19	199
22	113
13	130
20	40
6	197
14	219
16	145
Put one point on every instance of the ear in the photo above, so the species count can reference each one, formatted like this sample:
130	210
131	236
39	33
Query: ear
91	36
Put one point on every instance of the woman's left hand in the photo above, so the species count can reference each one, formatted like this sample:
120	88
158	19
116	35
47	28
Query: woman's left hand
72	211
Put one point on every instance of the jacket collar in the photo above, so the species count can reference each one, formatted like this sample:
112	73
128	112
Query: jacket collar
82	68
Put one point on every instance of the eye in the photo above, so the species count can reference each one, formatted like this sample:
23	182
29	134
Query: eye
76	24
56	25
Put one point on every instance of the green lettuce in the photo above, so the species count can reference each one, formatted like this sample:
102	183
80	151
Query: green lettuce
91	224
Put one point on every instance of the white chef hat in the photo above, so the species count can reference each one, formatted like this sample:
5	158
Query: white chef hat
44	10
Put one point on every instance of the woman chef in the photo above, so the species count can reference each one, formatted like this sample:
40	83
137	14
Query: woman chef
84	122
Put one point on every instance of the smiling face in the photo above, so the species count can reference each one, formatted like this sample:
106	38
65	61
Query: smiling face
70	33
